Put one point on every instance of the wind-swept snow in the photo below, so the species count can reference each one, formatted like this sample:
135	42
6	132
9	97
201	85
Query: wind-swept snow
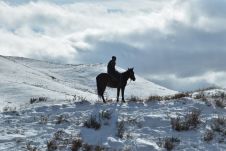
22	79
144	127
72	101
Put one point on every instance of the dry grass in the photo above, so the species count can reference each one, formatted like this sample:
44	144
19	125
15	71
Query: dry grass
208	136
92	122
220	103
155	98
219	125
77	144
7	110
135	99
52	145
59	140
38	100
190	121
169	143
159	98
62	119
179	96
169	97
179	124
29	147
120	129
43	119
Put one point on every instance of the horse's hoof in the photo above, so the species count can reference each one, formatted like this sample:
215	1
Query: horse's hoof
123	101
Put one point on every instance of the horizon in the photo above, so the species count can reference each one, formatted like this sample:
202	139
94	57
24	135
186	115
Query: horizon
177	44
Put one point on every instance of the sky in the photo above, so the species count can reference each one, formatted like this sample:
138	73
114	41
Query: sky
179	44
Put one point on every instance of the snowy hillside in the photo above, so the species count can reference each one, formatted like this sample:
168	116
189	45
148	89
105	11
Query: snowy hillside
196	122
22	79
54	107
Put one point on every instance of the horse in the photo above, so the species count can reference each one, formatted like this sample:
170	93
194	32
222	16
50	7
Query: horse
104	80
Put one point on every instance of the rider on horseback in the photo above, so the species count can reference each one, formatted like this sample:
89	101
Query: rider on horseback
111	69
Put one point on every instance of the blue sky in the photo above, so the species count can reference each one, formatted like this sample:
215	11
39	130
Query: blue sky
177	43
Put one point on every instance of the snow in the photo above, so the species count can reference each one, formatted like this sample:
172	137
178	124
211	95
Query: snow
22	79
144	125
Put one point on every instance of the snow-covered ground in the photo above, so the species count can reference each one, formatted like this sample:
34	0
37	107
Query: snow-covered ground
144	126
22	79
62	118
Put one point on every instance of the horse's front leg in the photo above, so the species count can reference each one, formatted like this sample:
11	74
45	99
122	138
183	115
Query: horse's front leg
103	99
123	89
118	92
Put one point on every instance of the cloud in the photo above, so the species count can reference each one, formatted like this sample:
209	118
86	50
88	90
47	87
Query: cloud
208	79
37	27
180	38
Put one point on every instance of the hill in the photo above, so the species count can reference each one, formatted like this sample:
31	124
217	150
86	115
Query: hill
22	79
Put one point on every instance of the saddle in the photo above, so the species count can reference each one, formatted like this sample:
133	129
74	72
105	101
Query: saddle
116	77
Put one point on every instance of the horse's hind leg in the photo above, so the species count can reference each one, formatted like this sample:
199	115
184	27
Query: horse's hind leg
103	98
123	89
118	92
101	86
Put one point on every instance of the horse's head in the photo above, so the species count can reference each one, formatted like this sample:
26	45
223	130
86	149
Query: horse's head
131	74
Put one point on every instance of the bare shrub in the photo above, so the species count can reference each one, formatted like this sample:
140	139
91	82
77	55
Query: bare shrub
179	124
95	121
59	140
169	97
92	122
220	103
155	98
135	99
61	119
222	95
87	147
190	121
99	148
208	136
80	99
38	99
179	96
200	95
126	122
169	143
10	111
63	138
176	96
219	125
76	144
120	129
52	145
43	119
29	147
193	118
60	135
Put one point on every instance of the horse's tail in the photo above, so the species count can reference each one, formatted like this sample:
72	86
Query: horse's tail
99	88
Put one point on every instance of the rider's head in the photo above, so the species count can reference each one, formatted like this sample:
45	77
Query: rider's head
114	58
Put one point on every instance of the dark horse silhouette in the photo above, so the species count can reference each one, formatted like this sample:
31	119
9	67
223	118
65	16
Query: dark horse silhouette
104	80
